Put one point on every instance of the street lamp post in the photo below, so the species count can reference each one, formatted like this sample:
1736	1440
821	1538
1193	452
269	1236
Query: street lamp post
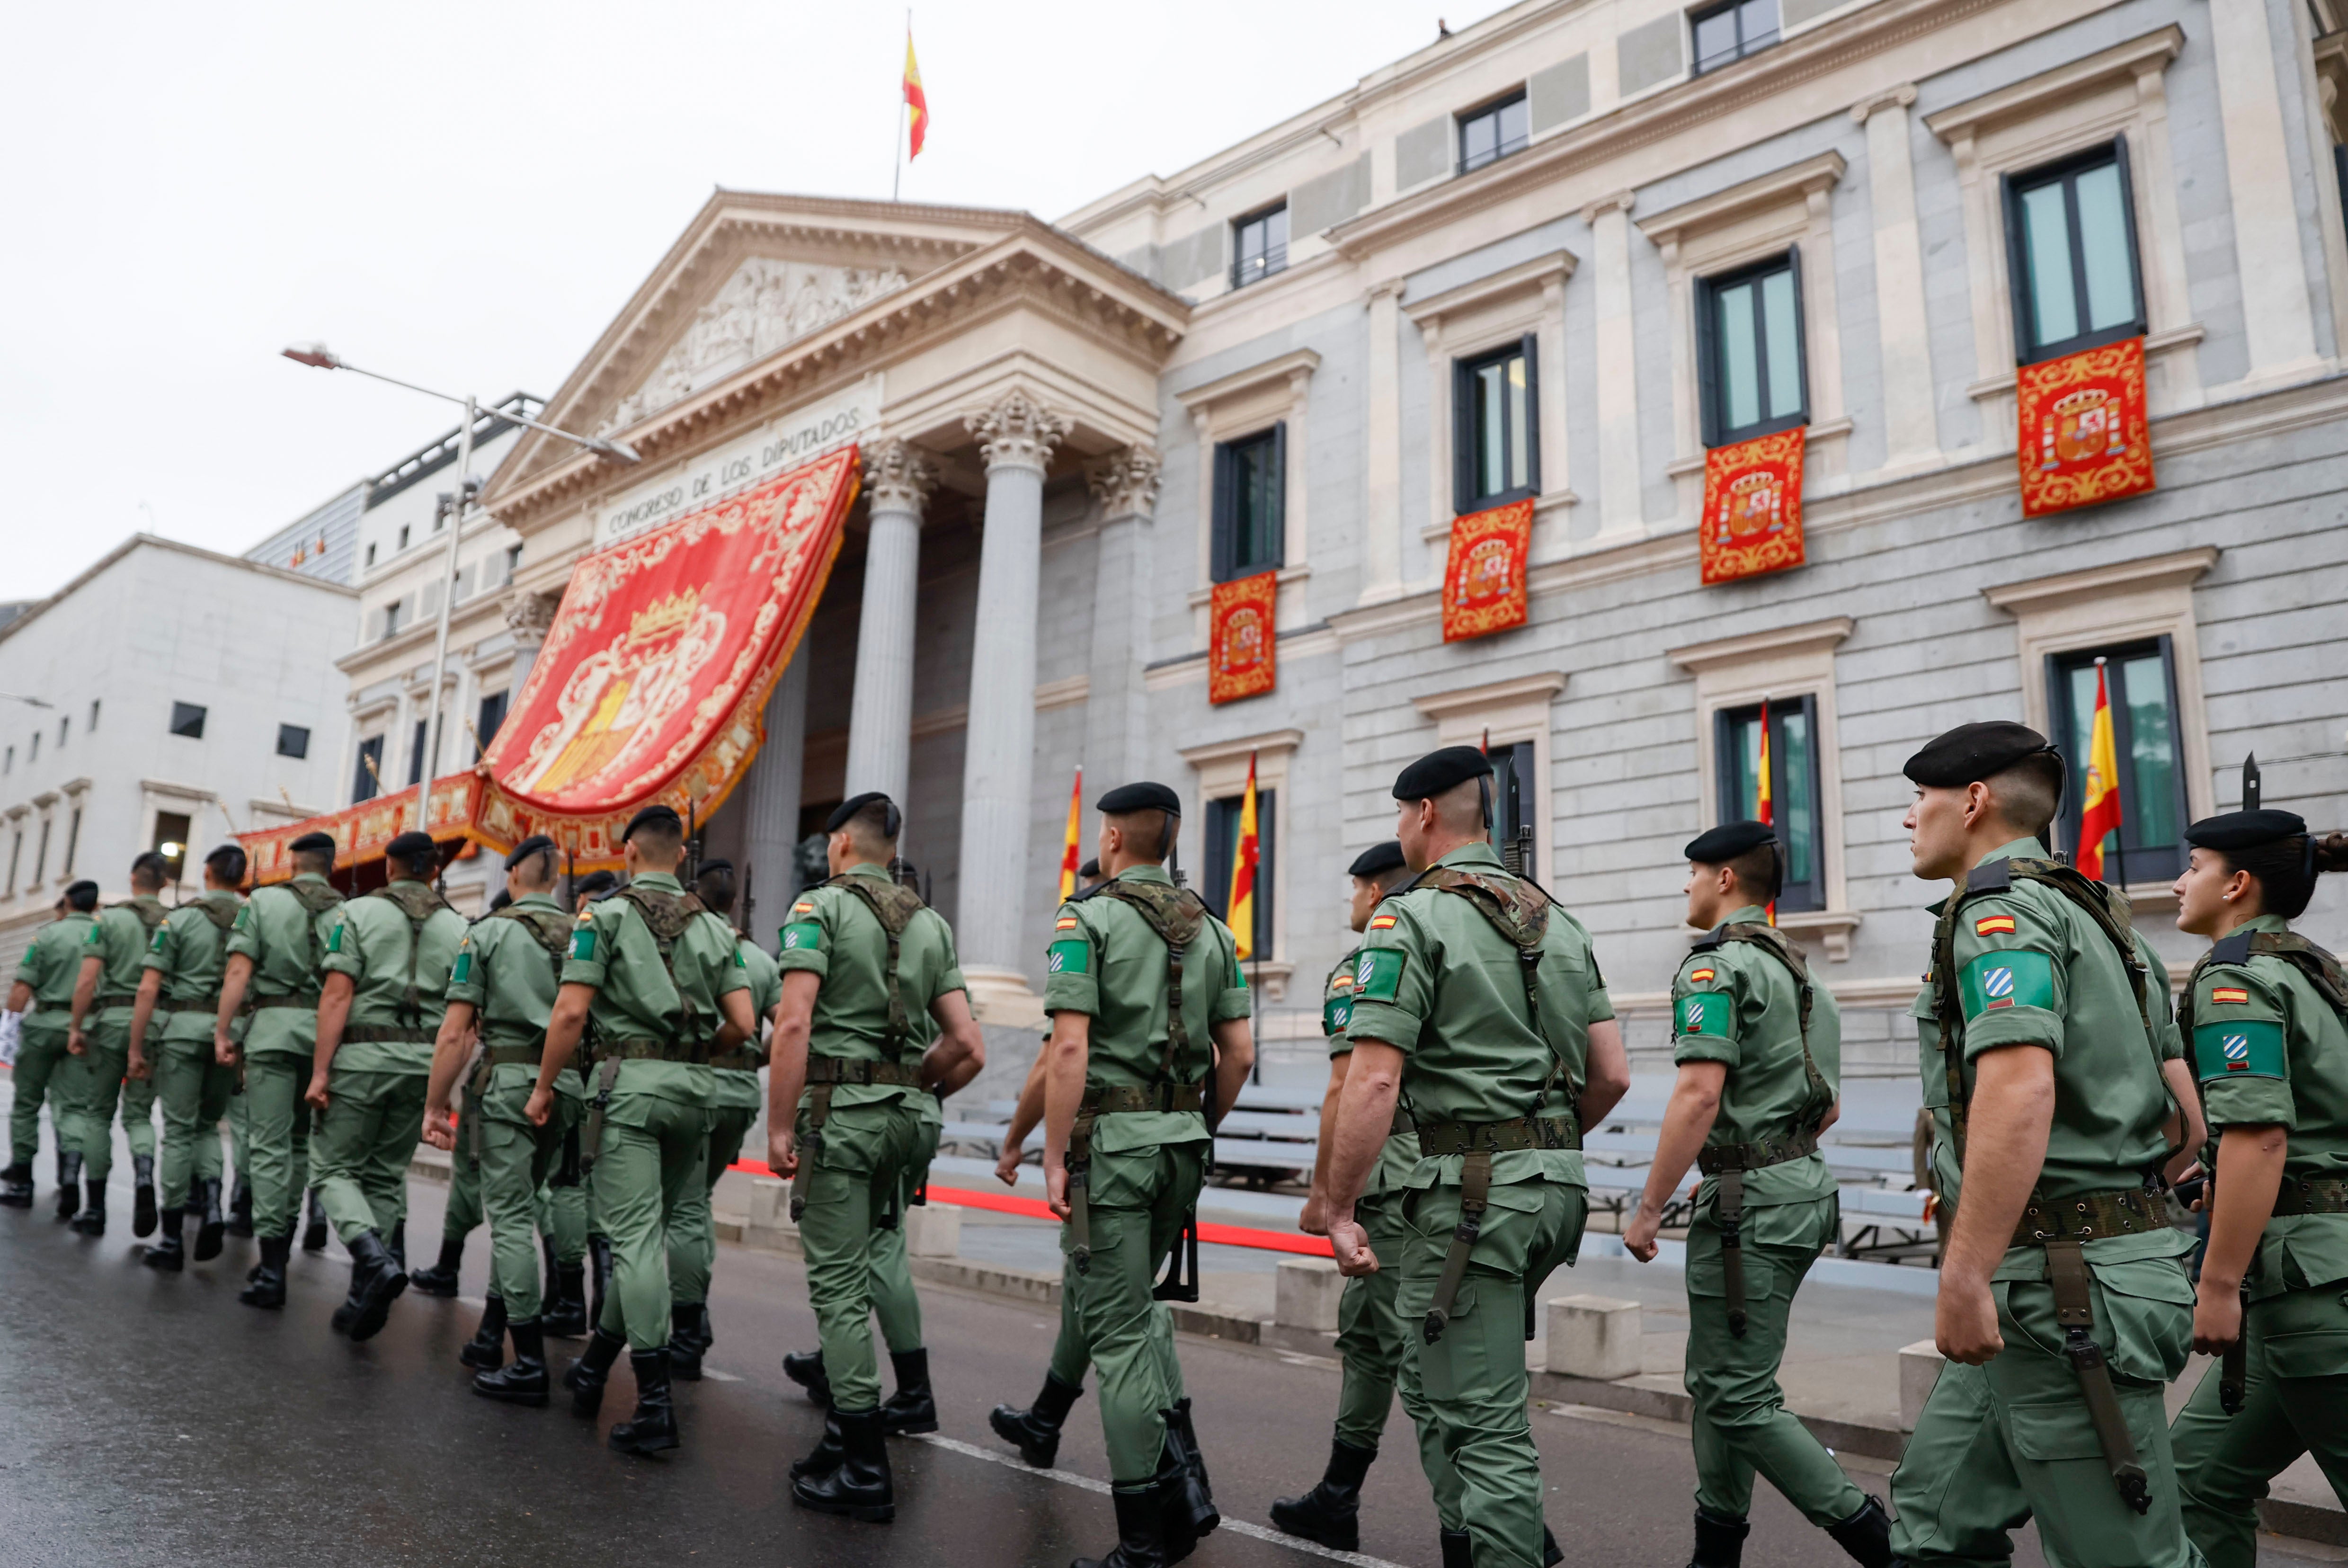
317	355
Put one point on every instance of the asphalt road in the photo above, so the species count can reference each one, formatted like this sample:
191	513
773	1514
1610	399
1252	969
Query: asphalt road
150	1419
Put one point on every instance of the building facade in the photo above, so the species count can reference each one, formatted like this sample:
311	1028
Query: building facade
1557	256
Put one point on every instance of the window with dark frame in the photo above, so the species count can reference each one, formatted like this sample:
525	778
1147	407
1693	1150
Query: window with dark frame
1794	789
73	840
1251	505
491	717
1493	132
188	720
363	786
417	743
1222	851
171	829
1515	796
1751	365
2071	254
1496	426
2140	684
1259	245
293	740
1726	34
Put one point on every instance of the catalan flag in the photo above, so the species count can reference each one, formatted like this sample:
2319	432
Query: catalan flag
2099	798
1242	903
1070	850
916	104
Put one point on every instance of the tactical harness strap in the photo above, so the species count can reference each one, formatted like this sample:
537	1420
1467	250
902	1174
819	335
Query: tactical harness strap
667	916
894	906
419	903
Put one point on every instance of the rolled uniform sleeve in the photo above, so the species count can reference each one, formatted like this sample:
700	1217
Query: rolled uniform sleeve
805	942
1706	1002
342	956
469	980
950	978
2241	1032
591	947
730	972
2013	980
1072	964
163	950
1394	980
244	936
1232	999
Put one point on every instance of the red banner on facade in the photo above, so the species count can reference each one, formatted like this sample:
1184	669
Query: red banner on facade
1484	577
2085	436
1242	646
361	833
1753	507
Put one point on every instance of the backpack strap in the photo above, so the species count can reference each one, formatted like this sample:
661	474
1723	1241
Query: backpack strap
1176	915
315	899
419	903
1519	911
894	906
1779	945
668	916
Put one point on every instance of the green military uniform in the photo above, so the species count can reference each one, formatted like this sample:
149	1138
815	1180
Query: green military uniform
398	945
1444	976
117	939
189	951
2023	964
50	966
508	970
1738	1002
860	1129
735	1103
1138	1159
283	929
2270	1050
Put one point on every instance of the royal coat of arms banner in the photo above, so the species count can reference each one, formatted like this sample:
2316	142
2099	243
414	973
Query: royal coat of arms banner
1753	507
1242	646
2085	434
1484	576
362	832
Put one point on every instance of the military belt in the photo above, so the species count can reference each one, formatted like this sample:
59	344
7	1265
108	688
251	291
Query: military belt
691	1053
1438	1138
740	1059
845	1070
387	1034
1727	1164
1720	1159
1402	1126
2088	1217
1117	1099
1127	1098
2313	1195
115	999
202	1004
305	1000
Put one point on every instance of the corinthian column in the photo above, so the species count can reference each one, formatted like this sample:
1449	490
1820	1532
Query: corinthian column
880	714
529	617
1016	436
1116	713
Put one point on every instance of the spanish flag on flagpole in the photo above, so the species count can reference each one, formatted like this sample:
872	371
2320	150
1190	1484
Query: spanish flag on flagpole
1070	850
917	105
2099	798
1764	809
1242	903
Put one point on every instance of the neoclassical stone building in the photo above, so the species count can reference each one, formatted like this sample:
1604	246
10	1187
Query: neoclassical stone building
1556	256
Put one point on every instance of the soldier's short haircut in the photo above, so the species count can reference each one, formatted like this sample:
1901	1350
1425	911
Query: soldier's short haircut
1139	837
659	841
316	862
1392	877
539	869
227	862
423	865
150	867
714	888
82	897
2029	793
1760	870
870	823
1460	809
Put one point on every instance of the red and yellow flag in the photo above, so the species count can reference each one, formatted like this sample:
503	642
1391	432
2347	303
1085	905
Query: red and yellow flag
1764	809
1071	851
2099	800
1242	903
917	105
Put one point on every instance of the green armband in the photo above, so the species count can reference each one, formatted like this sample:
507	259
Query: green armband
2011	979
1705	1013
1378	976
806	936
2251	1048
1068	957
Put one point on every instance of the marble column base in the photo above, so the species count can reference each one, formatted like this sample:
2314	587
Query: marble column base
1002	996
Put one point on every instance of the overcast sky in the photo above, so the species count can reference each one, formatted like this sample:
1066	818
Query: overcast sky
464	196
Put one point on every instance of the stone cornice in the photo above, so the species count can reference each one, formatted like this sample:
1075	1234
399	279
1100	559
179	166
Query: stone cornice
2178	570
1779	187
1900	97
1544	686
2155	48
1810	637
1215	751
1304	361
1522	278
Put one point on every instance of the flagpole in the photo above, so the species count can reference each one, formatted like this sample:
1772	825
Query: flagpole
897	148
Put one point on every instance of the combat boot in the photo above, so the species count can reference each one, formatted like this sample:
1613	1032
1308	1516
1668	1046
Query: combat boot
859	1486
522	1381
1455	1545
440	1279
376	1281
805	1367
654	1426
1036	1431
1330	1513
91	1220
1866	1535
16	1186
168	1254
1552	1552
68	1184
828	1452
142	1195
1193	1499
209	1224
913	1410
268	1284
566	1314
239	1207
586	1376
686	1343
486	1351
314	1229
1138	1543
395	1245
1719	1542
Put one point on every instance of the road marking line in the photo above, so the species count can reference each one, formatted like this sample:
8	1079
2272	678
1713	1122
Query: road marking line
1085	1482
711	1374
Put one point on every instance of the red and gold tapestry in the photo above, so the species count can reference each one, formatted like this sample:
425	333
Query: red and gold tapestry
1242	646
361	833
1753	507
2085	434
1484	577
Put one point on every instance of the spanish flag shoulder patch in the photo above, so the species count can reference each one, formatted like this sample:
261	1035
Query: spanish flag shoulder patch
2228	993
1699	977
1343	982
1381	922
1065	922
803	907
1992	925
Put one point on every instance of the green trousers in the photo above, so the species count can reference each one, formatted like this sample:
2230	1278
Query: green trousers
90	1084
366	1140
2010	1441
895	1303
2295	1402
693	1247
861	1164
563	1219
277	1123
512	1161
1466	1392
195	1091
648	1173
239	1123
1369	1329
463	1215
139	1097
40	1074
1139	1199
1742	1426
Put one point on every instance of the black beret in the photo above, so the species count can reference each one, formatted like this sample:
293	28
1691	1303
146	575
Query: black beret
718	865
1089	870
222	852
1971	752
846	809
84	888
1376	861
410	844
2244	830
1439	770
653	816
310	843
534	844
1718	846
1142	797
595	882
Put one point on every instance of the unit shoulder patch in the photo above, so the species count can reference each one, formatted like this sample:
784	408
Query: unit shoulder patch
2250	1048
1995	981
1378	976
2223	995
1993	925
803	936
464	970
1073	956
1383	921
582	941
1706	1013
1704	974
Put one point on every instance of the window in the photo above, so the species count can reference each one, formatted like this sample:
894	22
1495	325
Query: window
64	728
33	753
2070	232
171	830
392	615
1251	486
41	854
366	783
93	719
513	561
1726	34
1262	246
485	728
1516	792
422	738
16	857
1496	410
1222	849
2141	686
403	536
188	720
370	554
9	765
1792	789
293	740
1751	370
1493	132
73	839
